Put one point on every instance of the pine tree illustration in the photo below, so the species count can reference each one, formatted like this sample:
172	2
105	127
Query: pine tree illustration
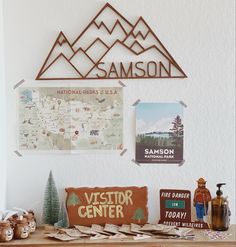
51	204
73	199
177	131
138	215
62	219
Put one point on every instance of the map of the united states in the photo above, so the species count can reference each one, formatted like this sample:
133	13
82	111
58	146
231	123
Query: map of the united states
70	118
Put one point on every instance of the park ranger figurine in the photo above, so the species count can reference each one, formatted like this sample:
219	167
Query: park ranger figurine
202	197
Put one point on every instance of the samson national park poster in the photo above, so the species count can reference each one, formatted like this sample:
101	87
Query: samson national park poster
159	133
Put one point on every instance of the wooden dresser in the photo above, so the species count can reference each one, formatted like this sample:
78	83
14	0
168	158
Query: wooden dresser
38	239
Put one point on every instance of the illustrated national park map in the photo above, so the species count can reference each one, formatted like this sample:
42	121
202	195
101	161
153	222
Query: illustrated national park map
62	118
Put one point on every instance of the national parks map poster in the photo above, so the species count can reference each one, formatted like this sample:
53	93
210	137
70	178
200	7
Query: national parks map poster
70	118
159	133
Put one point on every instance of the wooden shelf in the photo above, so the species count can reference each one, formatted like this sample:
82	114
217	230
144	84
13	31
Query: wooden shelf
38	239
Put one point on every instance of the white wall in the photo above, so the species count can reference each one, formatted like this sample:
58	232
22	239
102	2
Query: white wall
200	36
3	120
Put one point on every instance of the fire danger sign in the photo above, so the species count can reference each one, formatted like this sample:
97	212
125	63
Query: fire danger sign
175	206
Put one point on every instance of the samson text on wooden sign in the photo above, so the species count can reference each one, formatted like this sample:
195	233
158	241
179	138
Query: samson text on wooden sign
114	205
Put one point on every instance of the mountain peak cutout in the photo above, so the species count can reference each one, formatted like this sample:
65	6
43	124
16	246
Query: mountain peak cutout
61	46
141	27
109	15
62	38
110	35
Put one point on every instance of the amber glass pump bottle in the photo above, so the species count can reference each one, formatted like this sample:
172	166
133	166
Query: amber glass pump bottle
220	211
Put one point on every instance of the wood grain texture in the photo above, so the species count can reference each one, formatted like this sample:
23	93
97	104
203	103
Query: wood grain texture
112	205
38	239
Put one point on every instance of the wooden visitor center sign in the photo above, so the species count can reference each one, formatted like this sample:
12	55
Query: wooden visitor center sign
110	47
114	205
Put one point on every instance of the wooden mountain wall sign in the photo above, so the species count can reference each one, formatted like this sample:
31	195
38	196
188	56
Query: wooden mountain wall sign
110	47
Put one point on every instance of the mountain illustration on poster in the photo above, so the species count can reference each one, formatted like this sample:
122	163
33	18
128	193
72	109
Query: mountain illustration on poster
110	47
159	133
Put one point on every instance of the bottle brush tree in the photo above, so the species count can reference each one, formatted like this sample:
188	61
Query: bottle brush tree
62	219
51	206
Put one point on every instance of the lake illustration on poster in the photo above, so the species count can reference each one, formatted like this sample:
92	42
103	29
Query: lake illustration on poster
110	47
159	133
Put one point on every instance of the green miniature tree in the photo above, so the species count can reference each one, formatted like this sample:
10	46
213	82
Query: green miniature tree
62	219
138	215
73	199
51	204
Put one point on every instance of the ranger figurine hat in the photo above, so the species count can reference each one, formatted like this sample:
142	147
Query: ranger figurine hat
201	181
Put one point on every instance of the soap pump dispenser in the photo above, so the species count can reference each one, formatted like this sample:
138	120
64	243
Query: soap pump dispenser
220	211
